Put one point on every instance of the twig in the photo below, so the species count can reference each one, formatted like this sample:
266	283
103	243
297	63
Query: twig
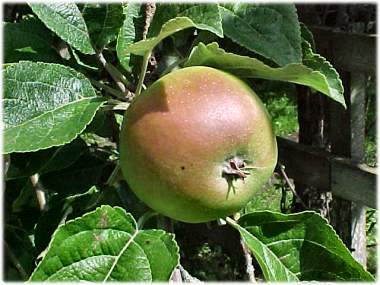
291	186
40	191
16	262
150	9
113	71
109	90
248	262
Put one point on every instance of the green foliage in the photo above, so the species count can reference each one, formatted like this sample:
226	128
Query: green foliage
109	245
286	247
204	17
67	22
62	118
316	72
34	122
103	22
130	32
28	40
274	28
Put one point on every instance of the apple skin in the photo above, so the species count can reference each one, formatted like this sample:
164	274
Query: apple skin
179	136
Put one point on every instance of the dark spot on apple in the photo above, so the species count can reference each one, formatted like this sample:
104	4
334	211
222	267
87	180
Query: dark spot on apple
183	167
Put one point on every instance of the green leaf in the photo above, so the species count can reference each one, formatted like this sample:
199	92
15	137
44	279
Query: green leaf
130	32
204	16
103	22
316	72
302	243
319	64
105	245
171	27
272	31
177	18
271	265
45	105
307	35
28	40
67	22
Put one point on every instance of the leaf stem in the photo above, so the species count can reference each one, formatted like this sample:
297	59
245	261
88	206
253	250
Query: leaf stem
109	90
291	186
231	222
116	75
142	72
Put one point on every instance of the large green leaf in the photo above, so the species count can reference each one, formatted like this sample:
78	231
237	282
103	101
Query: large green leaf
302	243
172	18
45	105
130	32
103	22
204	16
106	245
28	40
272	31
316	72
171	27
66	21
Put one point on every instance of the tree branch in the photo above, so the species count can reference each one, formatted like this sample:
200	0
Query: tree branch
116	75
150	9
248	261
110	90
291	186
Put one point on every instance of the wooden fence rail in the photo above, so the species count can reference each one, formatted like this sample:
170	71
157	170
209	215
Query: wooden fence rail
326	172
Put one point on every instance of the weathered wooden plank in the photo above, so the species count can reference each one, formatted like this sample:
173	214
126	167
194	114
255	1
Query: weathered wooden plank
319	168
354	182
305	164
347	51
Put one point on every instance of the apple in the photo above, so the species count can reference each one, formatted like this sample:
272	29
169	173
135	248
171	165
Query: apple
197	145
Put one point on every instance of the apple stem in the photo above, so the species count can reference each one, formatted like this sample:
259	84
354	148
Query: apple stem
142	72
236	168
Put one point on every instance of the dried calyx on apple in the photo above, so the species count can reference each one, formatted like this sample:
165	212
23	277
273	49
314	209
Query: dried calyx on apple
190	138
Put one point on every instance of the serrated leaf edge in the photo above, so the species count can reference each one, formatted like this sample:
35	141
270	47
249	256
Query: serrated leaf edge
85	32
312	213
74	73
63	142
130	240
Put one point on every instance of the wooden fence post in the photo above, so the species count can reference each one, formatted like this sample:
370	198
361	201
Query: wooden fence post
346	135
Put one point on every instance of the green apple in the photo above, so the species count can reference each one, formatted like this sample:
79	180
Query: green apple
197	145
